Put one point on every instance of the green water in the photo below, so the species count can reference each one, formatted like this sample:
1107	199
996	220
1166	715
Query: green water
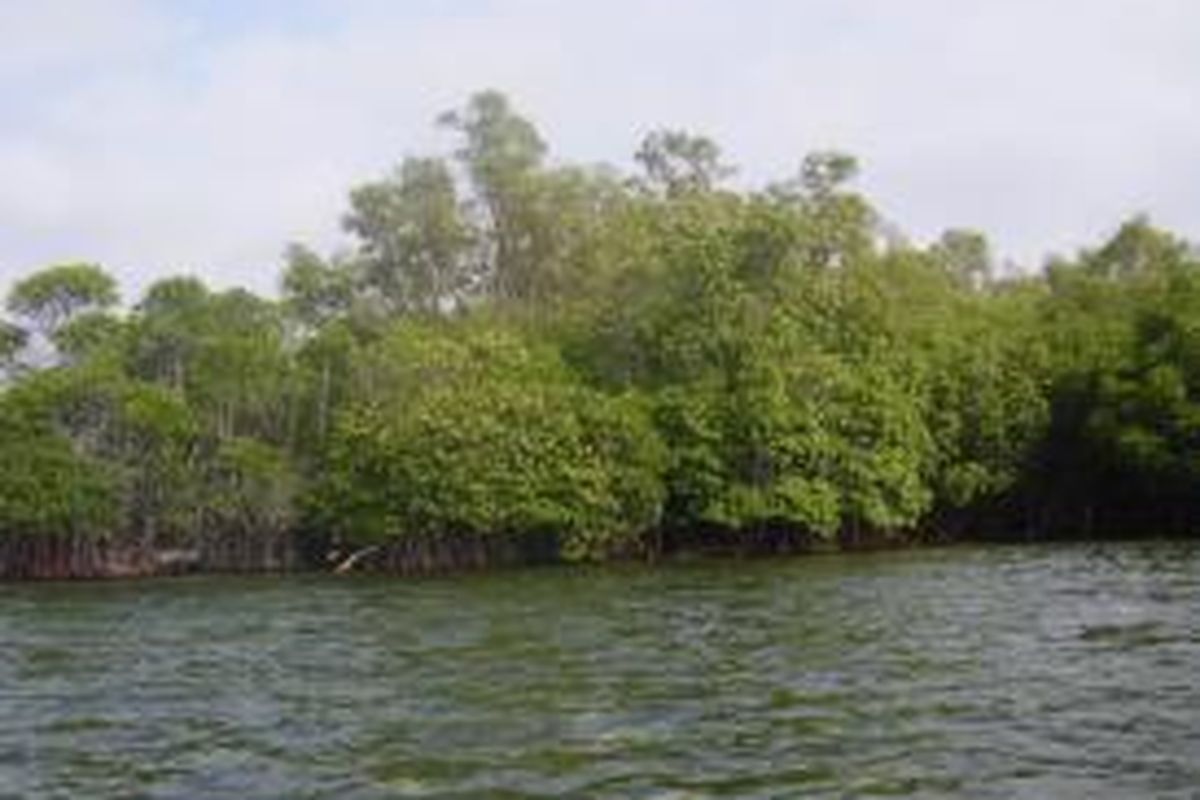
1041	672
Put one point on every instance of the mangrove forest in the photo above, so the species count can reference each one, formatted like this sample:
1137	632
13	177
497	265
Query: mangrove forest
516	359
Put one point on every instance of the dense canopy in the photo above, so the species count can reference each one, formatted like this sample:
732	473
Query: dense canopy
516	350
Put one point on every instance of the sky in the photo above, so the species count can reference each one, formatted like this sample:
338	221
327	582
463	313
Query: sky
161	137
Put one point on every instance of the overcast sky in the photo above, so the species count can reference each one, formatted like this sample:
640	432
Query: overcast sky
163	136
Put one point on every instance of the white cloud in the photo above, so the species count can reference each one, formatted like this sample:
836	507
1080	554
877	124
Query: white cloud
69	34
37	188
161	149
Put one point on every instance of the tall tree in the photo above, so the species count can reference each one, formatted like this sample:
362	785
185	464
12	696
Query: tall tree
1137	249
676	162
415	243
966	256
840	224
51	297
316	291
502	152
168	325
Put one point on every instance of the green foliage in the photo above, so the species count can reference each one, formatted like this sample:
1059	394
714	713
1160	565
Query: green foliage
415	242
502	154
769	390
46	488
498	145
250	488
138	434
88	334
811	444
676	162
477	432
1136	250
54	295
223	352
12	341
316	292
516	348
966	256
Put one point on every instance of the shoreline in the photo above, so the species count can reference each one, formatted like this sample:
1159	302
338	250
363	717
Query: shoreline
106	562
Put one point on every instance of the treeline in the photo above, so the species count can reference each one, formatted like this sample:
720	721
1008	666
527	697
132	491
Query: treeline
520	361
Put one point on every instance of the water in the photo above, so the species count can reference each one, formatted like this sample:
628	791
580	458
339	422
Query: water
1064	672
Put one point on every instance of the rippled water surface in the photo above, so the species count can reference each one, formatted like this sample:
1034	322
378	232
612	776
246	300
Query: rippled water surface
1040	672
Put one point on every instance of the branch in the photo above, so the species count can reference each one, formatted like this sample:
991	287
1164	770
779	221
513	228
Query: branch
352	559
